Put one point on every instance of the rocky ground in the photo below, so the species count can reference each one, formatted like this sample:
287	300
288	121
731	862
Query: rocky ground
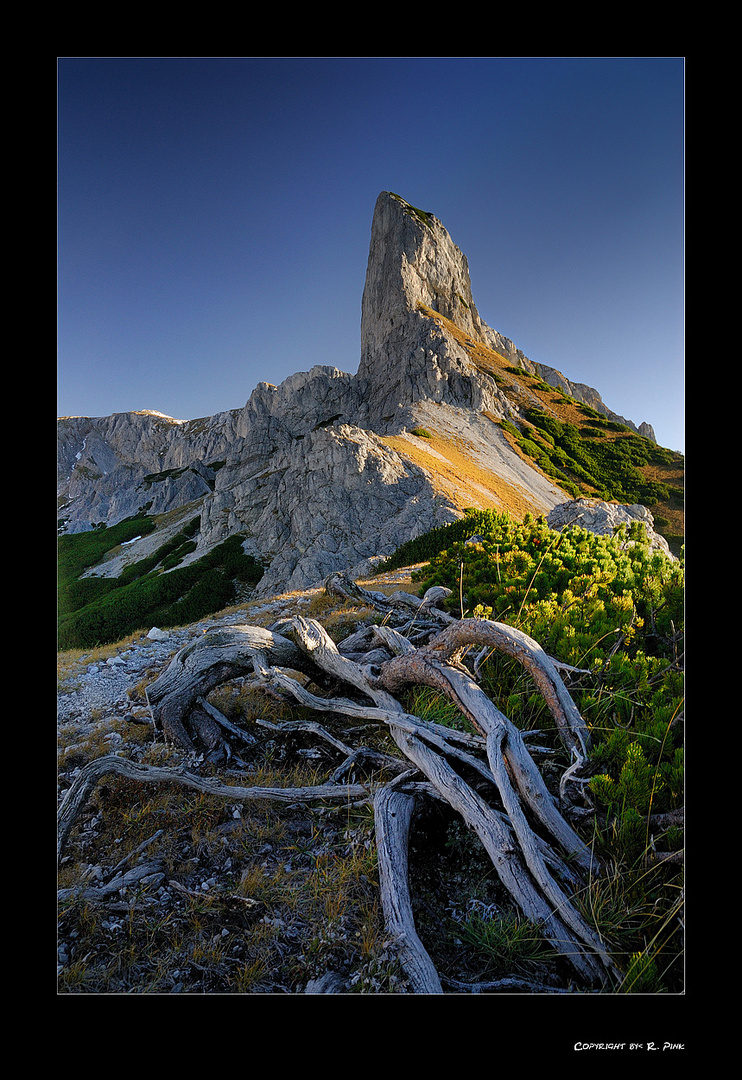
98	685
234	899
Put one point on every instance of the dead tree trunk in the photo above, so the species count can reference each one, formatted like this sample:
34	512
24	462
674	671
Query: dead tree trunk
535	851
393	814
177	698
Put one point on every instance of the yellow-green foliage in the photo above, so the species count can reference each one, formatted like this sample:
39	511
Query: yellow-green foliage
608	605
614	609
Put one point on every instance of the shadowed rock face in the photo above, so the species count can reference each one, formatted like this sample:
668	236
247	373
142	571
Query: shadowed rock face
303	470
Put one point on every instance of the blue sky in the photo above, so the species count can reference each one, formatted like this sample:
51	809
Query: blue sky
214	217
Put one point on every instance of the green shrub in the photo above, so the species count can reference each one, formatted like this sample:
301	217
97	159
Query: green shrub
77	552
435	540
616	613
212	591
594	603
97	611
608	469
166	556
507	943
506	425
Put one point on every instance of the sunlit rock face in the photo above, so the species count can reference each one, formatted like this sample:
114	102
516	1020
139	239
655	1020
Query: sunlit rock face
308	472
605	518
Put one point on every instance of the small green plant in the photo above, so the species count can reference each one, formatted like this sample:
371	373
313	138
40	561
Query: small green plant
422	215
642	976
432	706
507	943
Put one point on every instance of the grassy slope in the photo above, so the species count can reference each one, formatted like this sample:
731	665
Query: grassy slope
156	589
663	467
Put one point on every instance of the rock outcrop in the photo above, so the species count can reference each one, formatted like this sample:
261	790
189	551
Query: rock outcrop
109	467
605	518
326	471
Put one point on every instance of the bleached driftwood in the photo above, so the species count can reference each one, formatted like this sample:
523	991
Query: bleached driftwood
393	814
538	868
176	697
87	780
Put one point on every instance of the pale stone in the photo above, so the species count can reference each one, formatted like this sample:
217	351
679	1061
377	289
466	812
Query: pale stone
604	518
303	471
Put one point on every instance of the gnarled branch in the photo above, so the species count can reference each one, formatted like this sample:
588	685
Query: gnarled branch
372	669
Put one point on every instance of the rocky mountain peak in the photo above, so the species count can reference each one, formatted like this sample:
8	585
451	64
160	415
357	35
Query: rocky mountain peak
412	262
328	469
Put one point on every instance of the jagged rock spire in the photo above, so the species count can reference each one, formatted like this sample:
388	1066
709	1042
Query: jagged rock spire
412	261
325	471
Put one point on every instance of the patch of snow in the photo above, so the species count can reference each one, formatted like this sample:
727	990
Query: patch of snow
162	415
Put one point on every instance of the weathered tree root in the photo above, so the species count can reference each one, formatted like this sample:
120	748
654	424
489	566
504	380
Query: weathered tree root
528	864
393	814
78	794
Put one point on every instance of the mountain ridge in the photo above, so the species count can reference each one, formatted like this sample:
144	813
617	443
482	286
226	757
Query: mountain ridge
327	470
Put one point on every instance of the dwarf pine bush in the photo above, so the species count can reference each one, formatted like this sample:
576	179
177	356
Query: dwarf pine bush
583	461
613	608
157	589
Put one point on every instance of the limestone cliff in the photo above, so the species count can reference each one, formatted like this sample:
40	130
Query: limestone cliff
330	469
